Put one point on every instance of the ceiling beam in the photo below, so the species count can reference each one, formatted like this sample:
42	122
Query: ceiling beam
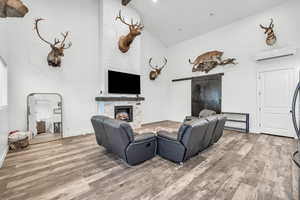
125	2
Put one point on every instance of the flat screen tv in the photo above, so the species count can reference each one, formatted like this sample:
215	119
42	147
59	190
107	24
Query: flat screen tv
123	83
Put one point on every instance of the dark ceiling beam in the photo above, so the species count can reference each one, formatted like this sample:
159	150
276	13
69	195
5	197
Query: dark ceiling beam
125	2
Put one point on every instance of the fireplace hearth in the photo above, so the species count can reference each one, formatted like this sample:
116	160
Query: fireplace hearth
124	113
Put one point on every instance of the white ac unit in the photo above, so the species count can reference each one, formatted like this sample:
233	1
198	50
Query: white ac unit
275	53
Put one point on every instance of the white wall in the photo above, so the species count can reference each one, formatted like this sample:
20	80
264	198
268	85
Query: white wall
3	133
94	34
156	92
135	60
4	129
79	78
241	40
113	29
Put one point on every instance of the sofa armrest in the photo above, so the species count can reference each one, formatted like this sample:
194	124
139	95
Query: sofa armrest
170	149
167	135
144	137
142	149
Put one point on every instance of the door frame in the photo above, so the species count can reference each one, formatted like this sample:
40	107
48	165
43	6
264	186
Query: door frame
258	87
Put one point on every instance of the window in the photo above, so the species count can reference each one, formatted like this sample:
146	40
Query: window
3	83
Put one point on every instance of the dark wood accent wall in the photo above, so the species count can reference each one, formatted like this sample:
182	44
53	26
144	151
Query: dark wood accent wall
206	93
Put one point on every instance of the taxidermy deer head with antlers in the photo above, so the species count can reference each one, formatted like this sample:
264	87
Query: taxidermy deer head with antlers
57	47
155	72
271	37
135	29
12	8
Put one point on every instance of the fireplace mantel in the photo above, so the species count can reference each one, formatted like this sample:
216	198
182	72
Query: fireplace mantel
114	99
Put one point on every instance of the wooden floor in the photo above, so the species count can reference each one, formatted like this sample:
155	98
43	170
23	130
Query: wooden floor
239	166
45	137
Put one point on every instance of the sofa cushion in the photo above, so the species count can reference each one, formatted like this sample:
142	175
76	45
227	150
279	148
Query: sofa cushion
168	135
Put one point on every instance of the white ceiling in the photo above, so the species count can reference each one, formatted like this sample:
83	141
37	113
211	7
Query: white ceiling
173	21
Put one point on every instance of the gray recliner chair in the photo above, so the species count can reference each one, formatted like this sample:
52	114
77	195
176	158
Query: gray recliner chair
117	137
186	144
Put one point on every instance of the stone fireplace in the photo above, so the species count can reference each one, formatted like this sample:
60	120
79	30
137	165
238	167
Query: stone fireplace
128	109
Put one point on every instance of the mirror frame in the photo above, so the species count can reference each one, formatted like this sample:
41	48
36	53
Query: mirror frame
61	116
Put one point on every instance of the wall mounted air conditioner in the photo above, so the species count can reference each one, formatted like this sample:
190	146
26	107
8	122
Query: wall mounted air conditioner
276	53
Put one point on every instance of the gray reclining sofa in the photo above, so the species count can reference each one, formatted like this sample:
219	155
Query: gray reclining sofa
193	137
117	137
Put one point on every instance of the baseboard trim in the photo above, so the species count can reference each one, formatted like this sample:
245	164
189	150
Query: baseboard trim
3	156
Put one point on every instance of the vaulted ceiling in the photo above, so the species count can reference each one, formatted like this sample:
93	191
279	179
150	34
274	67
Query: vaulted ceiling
173	21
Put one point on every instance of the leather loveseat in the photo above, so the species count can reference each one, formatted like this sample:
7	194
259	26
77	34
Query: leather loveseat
193	137
117	137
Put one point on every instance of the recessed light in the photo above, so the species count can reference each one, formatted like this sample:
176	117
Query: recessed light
154	1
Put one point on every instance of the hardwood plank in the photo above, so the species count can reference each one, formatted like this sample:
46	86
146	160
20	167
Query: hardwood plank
240	166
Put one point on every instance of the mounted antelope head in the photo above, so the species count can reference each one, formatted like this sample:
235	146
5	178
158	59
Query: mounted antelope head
155	72
58	47
12	8
271	37
135	30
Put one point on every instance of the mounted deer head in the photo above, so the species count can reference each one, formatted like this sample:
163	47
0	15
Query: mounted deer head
12	8
155	72
135	30
58	47
271	37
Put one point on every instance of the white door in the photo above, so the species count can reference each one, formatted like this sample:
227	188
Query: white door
275	90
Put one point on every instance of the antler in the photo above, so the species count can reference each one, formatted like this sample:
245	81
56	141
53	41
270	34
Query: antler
136	25
160	68
122	19
271	24
155	68
165	63
38	32
65	35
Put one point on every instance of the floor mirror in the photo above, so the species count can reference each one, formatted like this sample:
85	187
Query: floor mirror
44	117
